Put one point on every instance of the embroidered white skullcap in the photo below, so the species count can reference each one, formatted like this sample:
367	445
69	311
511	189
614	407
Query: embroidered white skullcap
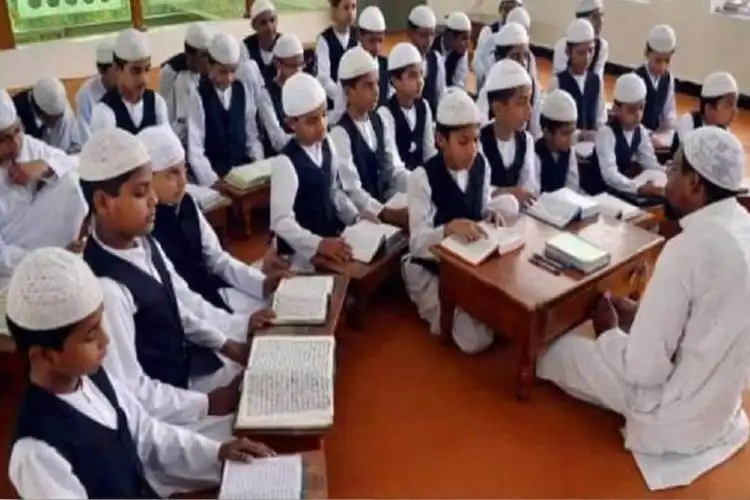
403	54
719	84
423	16
580	31
521	16
372	19
104	51
559	106
110	153
356	62
717	155
589	5
51	288
49	95
131	45
507	74
457	109
198	36
261	6
301	94
8	115
662	38
629	88
224	49
163	146
458	21
287	46
510	35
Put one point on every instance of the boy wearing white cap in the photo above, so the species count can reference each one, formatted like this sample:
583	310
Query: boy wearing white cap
131	106
259	46
407	114
718	104
453	45
222	126
505	7
80	433
449	196
593	11
507	147
557	165
93	89
660	113
421	32
367	159
675	364
484	55
46	115
333	42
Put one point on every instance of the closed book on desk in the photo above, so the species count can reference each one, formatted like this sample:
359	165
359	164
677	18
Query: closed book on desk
302	300
560	208
366	238
272	478
250	175
499	239
575	252
288	384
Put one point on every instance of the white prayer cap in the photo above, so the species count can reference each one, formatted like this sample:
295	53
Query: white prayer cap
458	21
49	95
423	17
110	153
8	115
521	16
224	49
372	19
717	155
356	62
51	288
259	7
559	106
510	35
301	94
131	45
588	6
198	36
403	54
288	46
163	146
457	109
719	84
104	51
662	38
580	31
507	74
629	88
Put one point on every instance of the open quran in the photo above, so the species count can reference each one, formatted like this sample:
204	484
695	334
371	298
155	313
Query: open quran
250	175
302	300
272	478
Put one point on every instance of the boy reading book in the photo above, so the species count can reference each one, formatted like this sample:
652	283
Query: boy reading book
557	165
718	105
421	32
449	196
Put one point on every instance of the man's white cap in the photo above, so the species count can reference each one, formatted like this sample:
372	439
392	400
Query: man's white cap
163	146
132	45
51	288
104	51
259	7
224	49
662	38
519	2
507	74
423	17
559	106
521	16
580	31
510	35
372	19
301	94
356	62
589	5
403	54
717	155
719	84
198	36
49	95
110	153
287	46
629	89
457	109
8	115
458	21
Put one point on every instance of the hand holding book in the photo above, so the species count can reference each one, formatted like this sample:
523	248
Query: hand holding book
335	249
243	450
465	229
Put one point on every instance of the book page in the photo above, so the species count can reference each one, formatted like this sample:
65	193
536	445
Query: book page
577	248
615	207
299	309
204	196
473	253
306	286
505	238
658	177
250	174
584	202
272	478
365	238
553	210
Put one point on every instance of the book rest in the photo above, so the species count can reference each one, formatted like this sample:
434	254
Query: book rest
245	201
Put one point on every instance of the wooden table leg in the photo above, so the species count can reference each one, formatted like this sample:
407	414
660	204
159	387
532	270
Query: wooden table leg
528	350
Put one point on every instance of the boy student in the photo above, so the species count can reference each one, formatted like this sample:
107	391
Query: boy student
222	126
406	113
453	45
259	46
367	159
507	147
593	11
557	165
421	32
483	55
80	433
675	364
448	196
41	204
333	42
92	91
131	105
718	104
660	112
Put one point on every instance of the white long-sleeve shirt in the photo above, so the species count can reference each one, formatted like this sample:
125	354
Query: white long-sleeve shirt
428	138
440	82
103	117
668	118
604	148
528	178
322	53
685	126
601	107
88	96
560	57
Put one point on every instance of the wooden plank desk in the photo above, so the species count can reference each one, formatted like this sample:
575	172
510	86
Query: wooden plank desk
217	216
514	297
247	200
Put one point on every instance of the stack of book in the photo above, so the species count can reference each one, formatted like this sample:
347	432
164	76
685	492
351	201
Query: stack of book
576	253
560	208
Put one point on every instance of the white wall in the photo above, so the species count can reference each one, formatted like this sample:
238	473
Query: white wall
72	58
707	41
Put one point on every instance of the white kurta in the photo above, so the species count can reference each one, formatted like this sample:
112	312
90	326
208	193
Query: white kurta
323	56
601	109
175	87
69	133
528	178
571	180
31	216
484	54
103	117
461	74
470	335
645	156
440	82
88	95
339	104
37	470
428	138
679	375
668	116
685	126
560	57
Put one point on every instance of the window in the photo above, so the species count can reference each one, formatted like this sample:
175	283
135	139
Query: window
739	8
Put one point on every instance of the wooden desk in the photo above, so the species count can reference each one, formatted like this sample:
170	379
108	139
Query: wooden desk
516	298
216	214
245	201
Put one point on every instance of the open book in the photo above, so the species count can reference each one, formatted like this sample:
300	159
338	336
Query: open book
658	177
583	149
575	252
499	239
560	208
366	238
615	207
302	300
250	175
272	478
288	383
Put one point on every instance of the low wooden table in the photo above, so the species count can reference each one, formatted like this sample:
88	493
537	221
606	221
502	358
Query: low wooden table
516	298
245	201
217	215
